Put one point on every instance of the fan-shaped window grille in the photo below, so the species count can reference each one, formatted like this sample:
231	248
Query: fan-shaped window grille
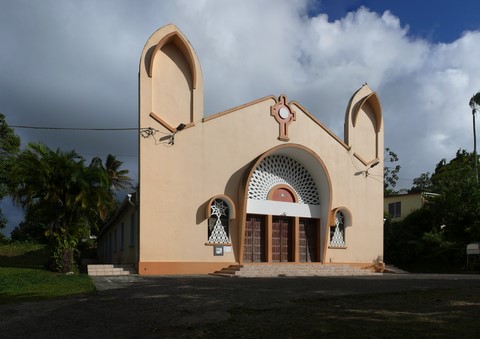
279	169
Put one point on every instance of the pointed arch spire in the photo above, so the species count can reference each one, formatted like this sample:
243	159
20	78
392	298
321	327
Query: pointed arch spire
170	81
364	125
179	40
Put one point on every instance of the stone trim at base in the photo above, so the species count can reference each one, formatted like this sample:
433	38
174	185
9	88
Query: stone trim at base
173	268
179	268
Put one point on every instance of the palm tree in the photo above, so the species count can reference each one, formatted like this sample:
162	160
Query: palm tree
474	105
9	147
53	190
118	177
60	193
112	178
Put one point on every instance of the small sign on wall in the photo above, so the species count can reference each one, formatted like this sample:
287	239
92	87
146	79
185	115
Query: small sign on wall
218	250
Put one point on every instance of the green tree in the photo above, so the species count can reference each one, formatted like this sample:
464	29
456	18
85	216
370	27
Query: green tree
434	237
26	231
112	178
422	184
390	173
118	178
61	194
459	198
9	147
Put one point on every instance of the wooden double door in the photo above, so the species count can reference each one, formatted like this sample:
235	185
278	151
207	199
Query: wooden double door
283	239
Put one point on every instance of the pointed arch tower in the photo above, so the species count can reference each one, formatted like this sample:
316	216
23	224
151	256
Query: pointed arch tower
171	82
364	125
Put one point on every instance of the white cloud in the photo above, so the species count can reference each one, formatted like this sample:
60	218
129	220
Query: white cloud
76	63
424	87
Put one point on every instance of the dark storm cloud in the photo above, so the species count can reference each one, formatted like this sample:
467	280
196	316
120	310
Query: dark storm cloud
70	64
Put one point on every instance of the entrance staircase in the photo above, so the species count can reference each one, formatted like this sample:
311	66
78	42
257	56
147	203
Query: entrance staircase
291	270
110	270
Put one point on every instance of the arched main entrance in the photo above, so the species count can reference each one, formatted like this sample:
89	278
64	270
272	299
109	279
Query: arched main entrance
284	207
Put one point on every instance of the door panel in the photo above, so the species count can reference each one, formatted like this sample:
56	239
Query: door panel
308	240
254	243
282	239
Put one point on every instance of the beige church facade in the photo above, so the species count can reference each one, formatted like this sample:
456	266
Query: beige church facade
257	184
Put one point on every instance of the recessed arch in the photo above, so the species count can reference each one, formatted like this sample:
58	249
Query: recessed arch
364	125
170	81
181	43
374	102
312	162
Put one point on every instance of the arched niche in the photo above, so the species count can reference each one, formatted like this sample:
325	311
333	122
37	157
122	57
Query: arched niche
175	39
171	83
364	125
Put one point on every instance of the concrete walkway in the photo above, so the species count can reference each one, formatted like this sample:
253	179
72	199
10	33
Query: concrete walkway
379	283
138	306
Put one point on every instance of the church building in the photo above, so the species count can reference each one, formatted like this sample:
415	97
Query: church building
259	184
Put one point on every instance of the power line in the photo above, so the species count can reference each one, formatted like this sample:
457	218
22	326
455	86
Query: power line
117	155
77	128
145	132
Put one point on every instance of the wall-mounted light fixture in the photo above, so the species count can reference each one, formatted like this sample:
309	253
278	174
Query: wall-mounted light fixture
370	167
178	129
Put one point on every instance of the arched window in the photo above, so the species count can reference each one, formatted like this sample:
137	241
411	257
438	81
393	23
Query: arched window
218	232
337	232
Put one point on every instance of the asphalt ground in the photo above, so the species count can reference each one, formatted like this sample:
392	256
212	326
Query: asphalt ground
165	306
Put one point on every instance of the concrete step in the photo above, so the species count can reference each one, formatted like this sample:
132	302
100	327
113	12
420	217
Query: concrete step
229	271
292	270
110	270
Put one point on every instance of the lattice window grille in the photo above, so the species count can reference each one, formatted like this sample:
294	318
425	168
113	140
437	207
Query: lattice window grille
278	169
338	237
219	233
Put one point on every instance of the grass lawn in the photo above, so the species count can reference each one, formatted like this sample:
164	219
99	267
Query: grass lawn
23	276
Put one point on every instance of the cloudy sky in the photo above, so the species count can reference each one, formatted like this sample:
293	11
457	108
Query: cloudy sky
74	63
